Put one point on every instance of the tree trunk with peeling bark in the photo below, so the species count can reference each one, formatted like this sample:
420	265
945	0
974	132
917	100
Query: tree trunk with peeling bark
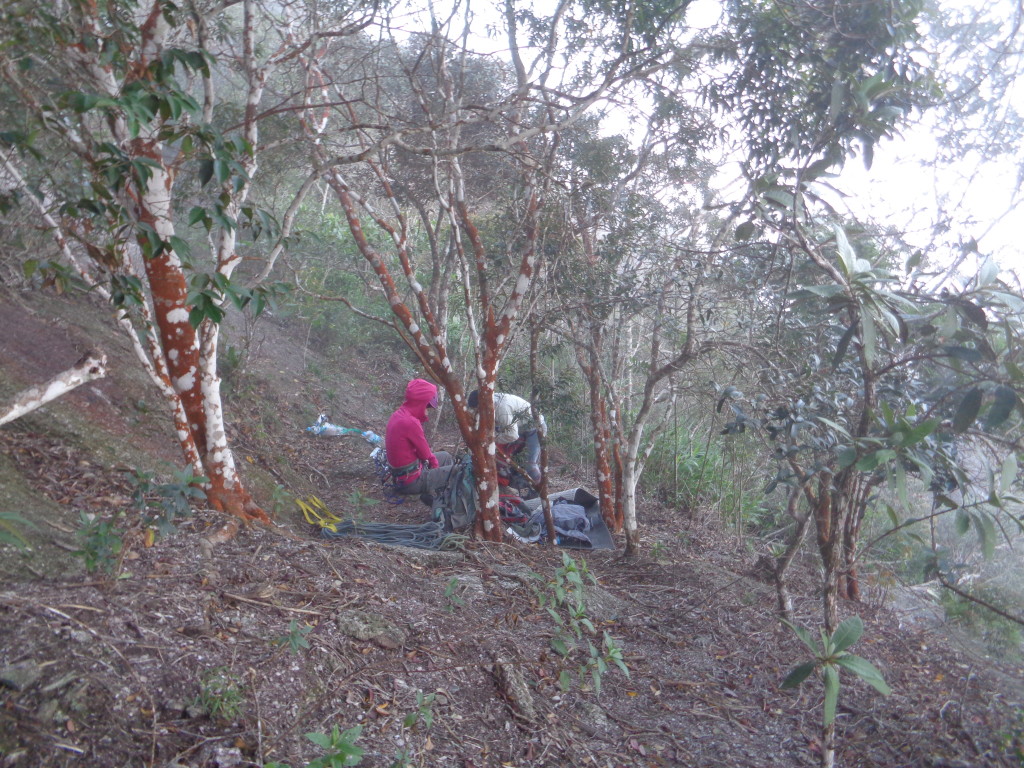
589	364
126	236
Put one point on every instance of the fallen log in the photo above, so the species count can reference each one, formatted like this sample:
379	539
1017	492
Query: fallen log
92	366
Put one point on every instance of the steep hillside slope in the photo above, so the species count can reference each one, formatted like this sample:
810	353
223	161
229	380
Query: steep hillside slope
224	655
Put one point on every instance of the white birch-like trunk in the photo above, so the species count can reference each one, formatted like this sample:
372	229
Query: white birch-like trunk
91	367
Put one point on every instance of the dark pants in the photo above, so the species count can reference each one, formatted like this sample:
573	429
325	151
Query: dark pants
430	480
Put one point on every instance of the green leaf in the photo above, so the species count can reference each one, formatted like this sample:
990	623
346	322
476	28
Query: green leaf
205	171
780	198
847	257
1008	473
222	170
817	169
988	273
564	680
745	231
867	325
833	425
322	740
181	248
920	432
872	460
962	521
559	646
803	634
837	100
830	678
1003	405
967	412
798	674
9	533
972	312
813	291
846	456
865	670
986	534
82	102
847	633
967	354
893	516
901	485
197	214
844	342
1013	302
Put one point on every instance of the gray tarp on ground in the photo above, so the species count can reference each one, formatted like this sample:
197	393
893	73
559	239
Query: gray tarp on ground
597	536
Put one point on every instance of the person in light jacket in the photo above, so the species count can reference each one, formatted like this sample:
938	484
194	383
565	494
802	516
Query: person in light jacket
415	469
515	430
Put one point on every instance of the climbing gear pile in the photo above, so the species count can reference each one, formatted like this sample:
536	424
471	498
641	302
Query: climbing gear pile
330	526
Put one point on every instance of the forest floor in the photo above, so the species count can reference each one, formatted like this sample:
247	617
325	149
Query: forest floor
205	656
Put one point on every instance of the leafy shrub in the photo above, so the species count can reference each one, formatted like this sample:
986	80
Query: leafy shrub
102	543
162	505
221	694
295	638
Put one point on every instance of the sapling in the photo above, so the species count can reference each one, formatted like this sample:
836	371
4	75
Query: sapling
829	658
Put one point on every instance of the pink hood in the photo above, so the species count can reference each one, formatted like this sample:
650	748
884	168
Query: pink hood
418	394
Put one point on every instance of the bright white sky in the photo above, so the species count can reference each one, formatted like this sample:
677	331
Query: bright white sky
906	190
900	189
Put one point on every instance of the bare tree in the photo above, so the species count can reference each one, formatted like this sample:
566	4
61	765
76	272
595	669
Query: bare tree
454	133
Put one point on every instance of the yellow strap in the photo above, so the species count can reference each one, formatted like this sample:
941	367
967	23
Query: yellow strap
317	513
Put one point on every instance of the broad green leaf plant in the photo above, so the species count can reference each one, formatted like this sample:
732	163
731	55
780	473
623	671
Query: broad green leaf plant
829	657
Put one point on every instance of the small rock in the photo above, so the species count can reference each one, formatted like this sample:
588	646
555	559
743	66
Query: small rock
21	675
174	708
49	712
371	627
602	605
513	686
220	756
595	722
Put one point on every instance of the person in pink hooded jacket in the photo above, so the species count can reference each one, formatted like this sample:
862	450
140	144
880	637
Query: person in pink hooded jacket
414	467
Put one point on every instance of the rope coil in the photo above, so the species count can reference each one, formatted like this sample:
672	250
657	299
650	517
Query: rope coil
422	536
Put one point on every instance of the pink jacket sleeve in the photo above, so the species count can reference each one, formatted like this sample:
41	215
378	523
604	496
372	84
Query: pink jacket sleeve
421	448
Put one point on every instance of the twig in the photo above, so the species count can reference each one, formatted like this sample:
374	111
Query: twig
269	605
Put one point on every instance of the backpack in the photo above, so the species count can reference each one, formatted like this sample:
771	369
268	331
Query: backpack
455	504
